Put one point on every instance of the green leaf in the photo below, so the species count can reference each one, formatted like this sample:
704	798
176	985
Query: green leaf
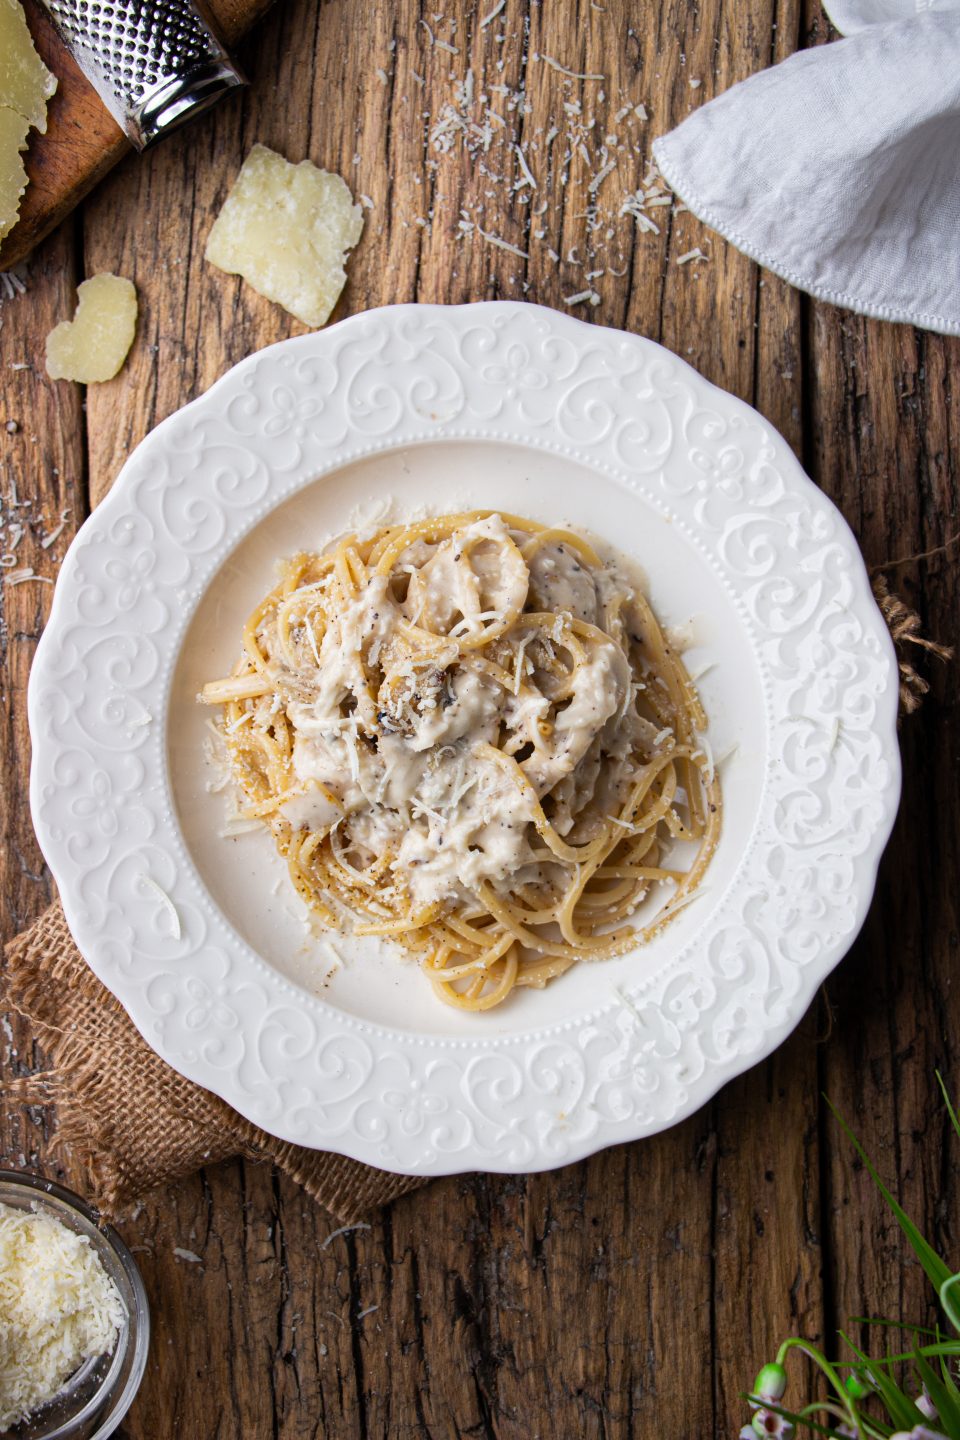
946	1099
892	1324
948	1379
937	1271
950	1300
901	1409
948	1408
946	1347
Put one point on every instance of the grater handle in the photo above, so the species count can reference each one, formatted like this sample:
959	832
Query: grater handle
154	63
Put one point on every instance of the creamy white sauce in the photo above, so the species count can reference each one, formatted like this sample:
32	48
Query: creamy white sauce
420	787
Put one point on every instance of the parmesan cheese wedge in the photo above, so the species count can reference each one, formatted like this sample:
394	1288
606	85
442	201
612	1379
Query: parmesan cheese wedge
94	344
25	82
13	177
287	229
25	87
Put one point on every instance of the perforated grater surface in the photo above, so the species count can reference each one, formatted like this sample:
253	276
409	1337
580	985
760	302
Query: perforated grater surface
154	63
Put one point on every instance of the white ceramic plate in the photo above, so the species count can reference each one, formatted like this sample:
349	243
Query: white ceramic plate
427	408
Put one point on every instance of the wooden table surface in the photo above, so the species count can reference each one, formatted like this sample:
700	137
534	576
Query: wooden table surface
634	1294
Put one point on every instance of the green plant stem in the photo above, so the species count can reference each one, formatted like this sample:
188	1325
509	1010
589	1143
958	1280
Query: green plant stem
850	1410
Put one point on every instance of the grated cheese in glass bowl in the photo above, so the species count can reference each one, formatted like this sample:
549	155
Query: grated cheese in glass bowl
74	1318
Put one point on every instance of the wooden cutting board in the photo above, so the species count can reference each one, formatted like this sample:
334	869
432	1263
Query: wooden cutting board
83	141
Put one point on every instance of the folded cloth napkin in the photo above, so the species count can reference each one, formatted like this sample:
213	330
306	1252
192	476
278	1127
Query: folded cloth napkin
125	1115
839	169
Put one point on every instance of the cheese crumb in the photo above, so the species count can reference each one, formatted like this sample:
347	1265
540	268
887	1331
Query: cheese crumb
25	87
94	344
58	1307
286	229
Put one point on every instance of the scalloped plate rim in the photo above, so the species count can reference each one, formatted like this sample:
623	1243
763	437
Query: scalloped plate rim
720	1072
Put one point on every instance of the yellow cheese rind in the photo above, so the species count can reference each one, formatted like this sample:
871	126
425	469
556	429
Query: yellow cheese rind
287	230
13	177
94	344
25	82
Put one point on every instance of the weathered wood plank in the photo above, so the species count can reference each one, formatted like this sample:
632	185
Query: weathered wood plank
42	478
642	1288
886	449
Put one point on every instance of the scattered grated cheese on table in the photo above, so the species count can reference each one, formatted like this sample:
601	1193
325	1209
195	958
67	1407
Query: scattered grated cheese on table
562	69
503	244
19	577
492	15
581	297
190	1256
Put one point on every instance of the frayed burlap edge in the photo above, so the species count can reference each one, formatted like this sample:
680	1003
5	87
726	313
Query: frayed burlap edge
904	626
128	1118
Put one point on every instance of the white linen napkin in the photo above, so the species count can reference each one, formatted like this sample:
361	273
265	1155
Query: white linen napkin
839	169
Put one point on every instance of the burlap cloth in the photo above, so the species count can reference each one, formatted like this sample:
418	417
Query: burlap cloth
130	1119
135	1123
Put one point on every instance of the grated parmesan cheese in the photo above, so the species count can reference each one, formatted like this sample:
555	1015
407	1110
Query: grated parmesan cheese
582	297
58	1307
166	904
562	69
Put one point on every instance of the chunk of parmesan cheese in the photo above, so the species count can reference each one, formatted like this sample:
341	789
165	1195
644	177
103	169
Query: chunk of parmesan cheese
287	229
58	1307
25	87
94	344
13	176
25	82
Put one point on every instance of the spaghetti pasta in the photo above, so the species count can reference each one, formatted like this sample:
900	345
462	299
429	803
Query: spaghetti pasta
470	734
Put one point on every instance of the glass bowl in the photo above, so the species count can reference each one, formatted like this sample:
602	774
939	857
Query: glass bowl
97	1396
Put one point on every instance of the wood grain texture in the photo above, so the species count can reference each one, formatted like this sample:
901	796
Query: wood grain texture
82	142
634	1294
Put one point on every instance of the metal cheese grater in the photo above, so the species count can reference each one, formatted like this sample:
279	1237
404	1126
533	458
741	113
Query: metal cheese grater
154	63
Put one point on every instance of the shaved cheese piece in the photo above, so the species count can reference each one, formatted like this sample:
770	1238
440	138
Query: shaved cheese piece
287	230
672	906
13	176
25	87
695	254
19	577
492	14
25	82
344	1230
58	1307
581	297
165	902
94	344
527	175
600	176
503	244
332	954
627	1004
706	750
562	69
